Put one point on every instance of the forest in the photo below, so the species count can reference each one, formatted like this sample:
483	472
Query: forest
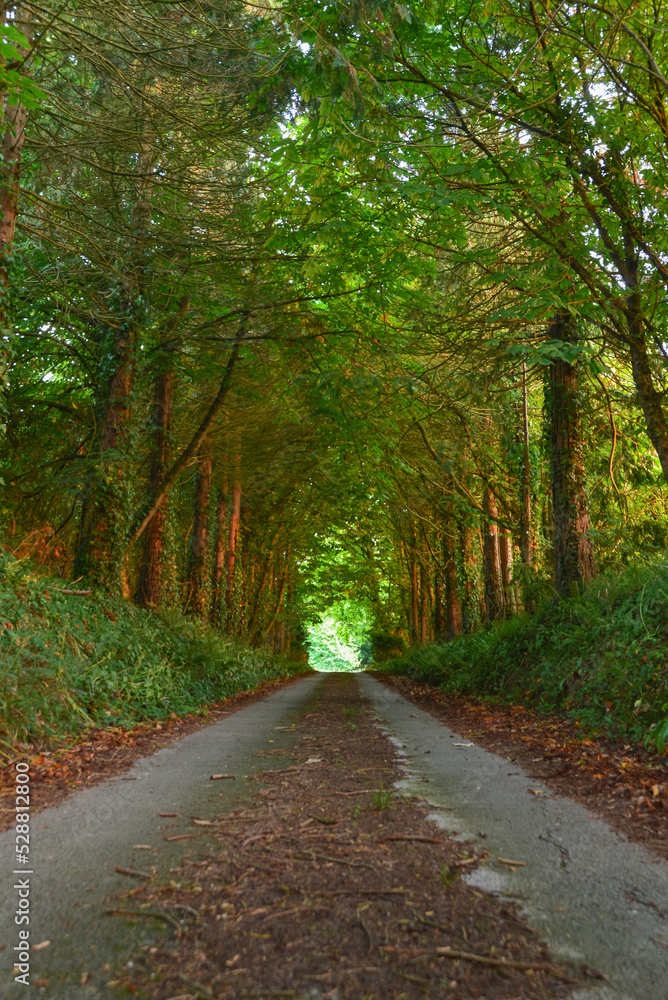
334	328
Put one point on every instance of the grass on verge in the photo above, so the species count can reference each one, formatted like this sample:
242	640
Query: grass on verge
68	664
601	657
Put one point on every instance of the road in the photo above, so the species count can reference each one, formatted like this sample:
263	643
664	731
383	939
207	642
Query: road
596	898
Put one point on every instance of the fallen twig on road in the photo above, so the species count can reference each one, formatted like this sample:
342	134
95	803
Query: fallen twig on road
338	861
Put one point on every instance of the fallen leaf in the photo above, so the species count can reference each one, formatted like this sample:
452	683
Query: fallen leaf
217	777
535	791
40	946
232	961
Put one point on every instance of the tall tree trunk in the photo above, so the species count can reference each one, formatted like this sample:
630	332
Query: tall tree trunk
424	604
468	549
231	550
101	549
506	553
218	568
195	603
453	604
260	589
494	595
102	544
526	536
149	592
282	582
573	552
649	399
15	118
439	623
414	621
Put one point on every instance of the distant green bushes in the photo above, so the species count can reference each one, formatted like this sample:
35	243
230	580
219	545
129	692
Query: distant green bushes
68	663
601	658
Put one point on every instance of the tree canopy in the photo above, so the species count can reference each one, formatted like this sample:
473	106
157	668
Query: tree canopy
334	323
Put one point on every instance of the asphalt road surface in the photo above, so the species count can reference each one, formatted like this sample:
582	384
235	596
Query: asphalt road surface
596	898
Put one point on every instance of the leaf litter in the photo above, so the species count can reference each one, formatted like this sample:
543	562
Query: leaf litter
68	767
625	784
369	906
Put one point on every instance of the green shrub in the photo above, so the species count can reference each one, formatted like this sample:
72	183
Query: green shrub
601	658
70	663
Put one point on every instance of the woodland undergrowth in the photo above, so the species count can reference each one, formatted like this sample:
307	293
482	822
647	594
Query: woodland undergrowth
600	657
71	663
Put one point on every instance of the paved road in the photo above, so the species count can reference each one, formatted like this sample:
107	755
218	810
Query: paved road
596	898
76	846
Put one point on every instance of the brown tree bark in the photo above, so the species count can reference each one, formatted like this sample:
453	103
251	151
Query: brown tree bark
526	534
424	604
149	589
218	567
282	582
467	548
506	552
15	118
440	629
195	442
195	597
649	399
150	586
453	603
414	619
573	552
100	548
231	549
494	595
101	545
260	588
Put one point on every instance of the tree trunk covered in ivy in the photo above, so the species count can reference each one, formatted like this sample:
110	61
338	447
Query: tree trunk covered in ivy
101	543
195	602
467	546
231	552
439	622
15	117
105	510
150	586
452	601
424	604
494	592
526	535
149	590
573	553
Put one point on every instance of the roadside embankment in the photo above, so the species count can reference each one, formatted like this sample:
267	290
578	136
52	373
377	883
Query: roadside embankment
600	658
72	662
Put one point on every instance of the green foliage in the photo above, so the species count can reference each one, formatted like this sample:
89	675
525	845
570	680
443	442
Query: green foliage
338	640
600	657
448	875
71	663
383	798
